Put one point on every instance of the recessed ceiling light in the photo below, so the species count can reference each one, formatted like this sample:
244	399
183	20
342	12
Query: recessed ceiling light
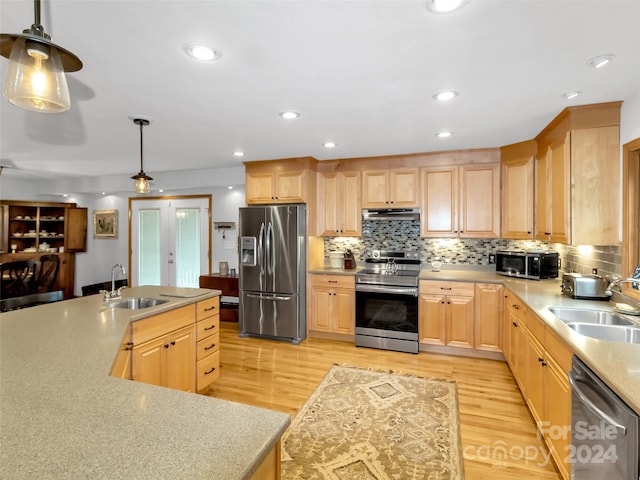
444	95
104	193
444	6
444	134
289	114
160	190
330	144
238	153
202	51
230	187
571	94
601	60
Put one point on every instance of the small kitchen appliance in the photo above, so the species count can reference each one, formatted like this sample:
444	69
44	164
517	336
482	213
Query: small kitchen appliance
585	287
533	265
387	301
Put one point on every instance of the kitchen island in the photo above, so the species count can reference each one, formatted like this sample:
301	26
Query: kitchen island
63	416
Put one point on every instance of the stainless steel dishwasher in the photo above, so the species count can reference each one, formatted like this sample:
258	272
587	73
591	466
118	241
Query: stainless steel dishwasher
604	430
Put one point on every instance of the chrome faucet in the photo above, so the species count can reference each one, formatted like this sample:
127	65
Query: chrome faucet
114	294
617	282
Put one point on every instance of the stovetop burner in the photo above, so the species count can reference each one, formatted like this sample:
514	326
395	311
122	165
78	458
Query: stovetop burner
390	268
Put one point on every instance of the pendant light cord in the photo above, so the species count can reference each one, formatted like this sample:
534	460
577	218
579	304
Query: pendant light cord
36	14
141	169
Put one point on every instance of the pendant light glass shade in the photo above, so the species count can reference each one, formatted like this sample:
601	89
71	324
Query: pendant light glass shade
35	79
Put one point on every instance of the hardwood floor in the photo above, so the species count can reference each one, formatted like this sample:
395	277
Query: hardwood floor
498	435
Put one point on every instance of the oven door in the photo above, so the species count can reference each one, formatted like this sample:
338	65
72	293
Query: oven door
387	311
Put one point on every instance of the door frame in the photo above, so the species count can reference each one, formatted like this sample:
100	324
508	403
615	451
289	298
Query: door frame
173	197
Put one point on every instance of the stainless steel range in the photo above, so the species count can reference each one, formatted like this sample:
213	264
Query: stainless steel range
387	301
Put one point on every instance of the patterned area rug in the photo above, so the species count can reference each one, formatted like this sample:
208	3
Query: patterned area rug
368	425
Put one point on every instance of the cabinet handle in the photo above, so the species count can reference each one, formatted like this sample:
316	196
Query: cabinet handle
541	360
213	369
210	347
442	302
166	345
544	364
448	303
332	281
210	308
173	343
445	288
514	324
129	346
515	307
209	328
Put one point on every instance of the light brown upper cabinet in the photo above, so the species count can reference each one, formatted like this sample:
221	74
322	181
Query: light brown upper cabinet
517	162
279	181
397	188
340	212
578	176
461	201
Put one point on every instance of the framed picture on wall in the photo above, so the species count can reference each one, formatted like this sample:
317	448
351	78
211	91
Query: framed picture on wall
105	224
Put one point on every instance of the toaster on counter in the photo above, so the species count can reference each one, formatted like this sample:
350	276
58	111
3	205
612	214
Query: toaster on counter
586	287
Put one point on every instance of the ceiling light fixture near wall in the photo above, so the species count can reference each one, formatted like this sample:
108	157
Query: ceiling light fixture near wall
444	134
141	184
330	144
444	95
204	52
445	6
601	60
35	78
289	114
238	153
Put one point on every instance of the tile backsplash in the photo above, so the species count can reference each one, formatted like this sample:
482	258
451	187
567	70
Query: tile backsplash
404	235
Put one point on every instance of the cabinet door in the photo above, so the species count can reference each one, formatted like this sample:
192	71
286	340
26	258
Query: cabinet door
559	169
147	362
344	311
75	236
542	226
439	202
431	319
374	189
259	188
488	317
557	408
328	201
321	311
517	198
480	201
350	206
459	321
534	377
404	188
290	187
179	360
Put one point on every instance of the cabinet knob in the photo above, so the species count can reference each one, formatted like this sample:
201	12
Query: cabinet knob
166	345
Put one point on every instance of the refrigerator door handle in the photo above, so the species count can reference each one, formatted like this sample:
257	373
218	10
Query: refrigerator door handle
270	243
260	248
268	297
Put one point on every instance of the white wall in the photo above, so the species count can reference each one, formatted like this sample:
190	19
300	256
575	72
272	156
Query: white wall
95	264
630	119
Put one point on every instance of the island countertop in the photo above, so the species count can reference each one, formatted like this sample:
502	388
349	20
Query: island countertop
63	416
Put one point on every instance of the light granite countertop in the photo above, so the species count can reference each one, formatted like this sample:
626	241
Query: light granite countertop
63	416
618	364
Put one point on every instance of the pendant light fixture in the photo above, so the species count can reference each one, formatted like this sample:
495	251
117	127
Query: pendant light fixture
141	179
35	77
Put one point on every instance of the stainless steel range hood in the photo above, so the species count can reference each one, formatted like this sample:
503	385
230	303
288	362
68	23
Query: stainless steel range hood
377	214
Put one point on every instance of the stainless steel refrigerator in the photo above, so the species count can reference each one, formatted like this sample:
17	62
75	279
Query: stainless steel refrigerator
273	272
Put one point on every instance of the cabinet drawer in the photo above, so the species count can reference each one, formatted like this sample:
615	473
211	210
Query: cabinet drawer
338	281
207	346
158	325
207	308
208	370
536	326
207	327
558	350
431	287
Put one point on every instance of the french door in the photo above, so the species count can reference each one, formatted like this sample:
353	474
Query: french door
169	241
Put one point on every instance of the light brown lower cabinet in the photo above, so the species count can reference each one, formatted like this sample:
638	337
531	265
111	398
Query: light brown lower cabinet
446	313
540	363
333	304
488	322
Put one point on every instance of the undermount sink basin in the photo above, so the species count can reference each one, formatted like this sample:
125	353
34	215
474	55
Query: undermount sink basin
137	303
588	316
609	333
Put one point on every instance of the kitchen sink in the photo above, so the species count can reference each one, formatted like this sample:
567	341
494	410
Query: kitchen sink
589	316
610	333
137	303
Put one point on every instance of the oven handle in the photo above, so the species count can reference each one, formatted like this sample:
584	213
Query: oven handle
413	291
573	380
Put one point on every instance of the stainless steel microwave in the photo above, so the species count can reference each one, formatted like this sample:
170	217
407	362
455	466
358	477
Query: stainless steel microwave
531	265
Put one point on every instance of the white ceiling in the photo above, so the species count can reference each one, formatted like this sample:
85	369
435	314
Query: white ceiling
360	72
